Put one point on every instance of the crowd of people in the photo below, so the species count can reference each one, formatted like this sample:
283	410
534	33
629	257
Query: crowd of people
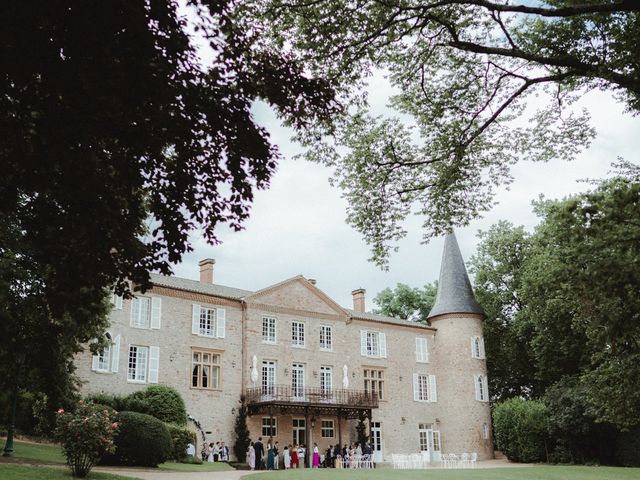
260	457
215	452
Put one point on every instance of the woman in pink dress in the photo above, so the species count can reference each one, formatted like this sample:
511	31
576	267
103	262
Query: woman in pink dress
316	456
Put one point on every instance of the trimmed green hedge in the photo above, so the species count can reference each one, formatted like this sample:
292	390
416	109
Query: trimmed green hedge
520	428
142	440
159	401
180	438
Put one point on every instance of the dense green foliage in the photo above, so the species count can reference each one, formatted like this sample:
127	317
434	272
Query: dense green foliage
118	139
142	441
563	315
160	401
181	437
462	72
520	428
242	434
406	302
86	434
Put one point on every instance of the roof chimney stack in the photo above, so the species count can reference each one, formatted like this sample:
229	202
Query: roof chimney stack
358	299
206	270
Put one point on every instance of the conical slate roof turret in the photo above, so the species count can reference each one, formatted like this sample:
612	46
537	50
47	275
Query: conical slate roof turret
454	288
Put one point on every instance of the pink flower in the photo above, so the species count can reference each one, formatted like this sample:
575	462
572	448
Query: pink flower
61	410
114	425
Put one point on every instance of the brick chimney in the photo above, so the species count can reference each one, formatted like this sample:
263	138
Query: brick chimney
358	299
206	270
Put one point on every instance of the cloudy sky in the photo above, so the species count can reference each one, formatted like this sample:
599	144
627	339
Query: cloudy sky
298	225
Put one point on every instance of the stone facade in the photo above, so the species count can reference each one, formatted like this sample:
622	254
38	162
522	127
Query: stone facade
444	416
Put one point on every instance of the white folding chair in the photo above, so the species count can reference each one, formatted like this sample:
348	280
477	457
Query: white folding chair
474	459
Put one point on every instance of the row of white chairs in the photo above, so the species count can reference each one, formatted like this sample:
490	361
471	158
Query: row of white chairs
359	461
410	461
462	460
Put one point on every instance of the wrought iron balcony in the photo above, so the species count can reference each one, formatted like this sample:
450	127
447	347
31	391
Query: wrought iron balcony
333	400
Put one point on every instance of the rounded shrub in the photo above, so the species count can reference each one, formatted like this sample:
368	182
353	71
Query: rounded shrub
180	438
160	401
520	428
142	440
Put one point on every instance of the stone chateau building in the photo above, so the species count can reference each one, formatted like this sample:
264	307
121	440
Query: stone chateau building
307	367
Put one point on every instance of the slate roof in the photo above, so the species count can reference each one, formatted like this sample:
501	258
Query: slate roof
239	294
454	288
384	319
199	287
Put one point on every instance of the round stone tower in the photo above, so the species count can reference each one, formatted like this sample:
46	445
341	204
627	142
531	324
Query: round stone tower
464	417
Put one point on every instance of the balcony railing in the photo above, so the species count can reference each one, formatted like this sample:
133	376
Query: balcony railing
285	394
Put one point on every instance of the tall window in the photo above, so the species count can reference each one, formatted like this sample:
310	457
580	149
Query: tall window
327	429
268	329
140	312
268	377
373	344
482	388
422	354
326	380
421	388
138	362
477	347
297	334
269	426
297	380
208	322
102	361
374	382
205	371
325	337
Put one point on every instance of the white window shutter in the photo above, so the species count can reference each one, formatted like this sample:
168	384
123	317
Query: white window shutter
95	362
156	312
475	384
195	319
135	304
426	350
473	347
363	343
416	387
154	364
433	392
383	345
115	354
418	350
221	321
118	302
482	347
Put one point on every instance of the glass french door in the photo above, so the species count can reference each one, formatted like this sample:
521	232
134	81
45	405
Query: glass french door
326	382
376	441
299	427
268	378
297	380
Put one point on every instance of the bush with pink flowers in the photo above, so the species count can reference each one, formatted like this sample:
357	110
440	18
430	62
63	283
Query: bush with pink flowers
86	435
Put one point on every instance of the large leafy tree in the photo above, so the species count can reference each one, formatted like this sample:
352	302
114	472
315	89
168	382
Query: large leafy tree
116	142
464	73
406	303
562	302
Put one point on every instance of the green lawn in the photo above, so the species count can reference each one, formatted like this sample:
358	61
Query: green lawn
9	471
36	452
523	473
